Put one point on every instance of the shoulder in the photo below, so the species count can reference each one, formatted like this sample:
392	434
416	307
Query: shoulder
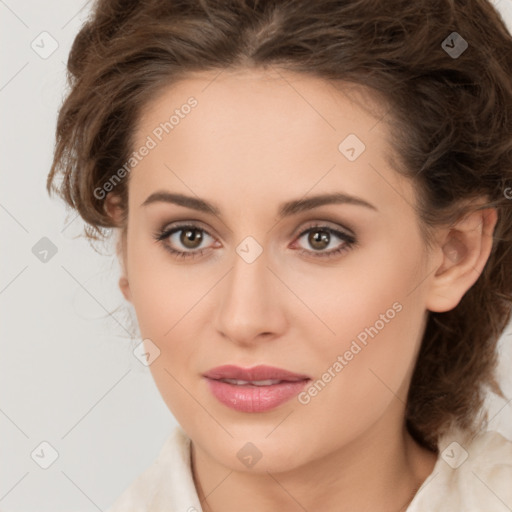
470	475
167	484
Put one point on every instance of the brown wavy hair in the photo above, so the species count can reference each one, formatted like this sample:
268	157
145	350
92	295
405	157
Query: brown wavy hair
450	119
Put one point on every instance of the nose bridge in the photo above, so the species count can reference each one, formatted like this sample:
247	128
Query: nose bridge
249	304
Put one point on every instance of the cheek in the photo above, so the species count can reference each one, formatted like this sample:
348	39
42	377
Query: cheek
163	292
366	289
375	312
164	313
168	302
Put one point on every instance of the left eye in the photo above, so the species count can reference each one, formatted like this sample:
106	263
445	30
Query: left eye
320	238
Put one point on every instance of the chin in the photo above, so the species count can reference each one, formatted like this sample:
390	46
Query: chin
253	450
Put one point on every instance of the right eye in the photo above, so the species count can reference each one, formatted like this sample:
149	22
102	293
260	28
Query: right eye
188	236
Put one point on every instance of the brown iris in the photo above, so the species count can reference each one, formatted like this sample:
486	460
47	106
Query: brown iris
191	238
319	239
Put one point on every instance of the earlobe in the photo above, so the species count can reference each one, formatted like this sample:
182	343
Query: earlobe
124	286
464	252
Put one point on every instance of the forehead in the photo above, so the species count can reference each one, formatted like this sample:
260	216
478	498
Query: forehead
263	132
265	101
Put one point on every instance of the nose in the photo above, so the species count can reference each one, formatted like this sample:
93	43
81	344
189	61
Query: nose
250	304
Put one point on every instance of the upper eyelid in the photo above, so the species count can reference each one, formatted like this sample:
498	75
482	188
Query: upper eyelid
325	224
177	225
198	224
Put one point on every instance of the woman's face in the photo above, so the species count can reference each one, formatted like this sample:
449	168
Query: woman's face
332	291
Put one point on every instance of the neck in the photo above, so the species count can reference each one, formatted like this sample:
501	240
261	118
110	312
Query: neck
377	471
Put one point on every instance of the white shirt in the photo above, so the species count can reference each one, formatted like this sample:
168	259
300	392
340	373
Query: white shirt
476	478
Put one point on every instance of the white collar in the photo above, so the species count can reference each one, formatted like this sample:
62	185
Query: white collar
482	482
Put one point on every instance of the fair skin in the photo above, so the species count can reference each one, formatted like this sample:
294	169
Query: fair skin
252	143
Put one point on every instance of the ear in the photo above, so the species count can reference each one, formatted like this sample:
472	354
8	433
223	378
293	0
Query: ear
124	286
113	208
464	250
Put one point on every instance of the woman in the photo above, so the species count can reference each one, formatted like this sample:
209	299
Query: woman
310	205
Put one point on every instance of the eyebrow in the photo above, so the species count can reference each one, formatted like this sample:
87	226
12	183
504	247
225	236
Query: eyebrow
286	209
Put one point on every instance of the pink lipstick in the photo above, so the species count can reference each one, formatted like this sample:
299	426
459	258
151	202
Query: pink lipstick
255	389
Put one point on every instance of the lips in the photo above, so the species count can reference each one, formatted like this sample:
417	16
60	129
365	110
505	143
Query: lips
255	389
254	374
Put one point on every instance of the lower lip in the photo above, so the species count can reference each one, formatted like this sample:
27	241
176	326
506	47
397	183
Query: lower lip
254	398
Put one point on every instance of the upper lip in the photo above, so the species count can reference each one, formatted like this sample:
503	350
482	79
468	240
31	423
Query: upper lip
255	373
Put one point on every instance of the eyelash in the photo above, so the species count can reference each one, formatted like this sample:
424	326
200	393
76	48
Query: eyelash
349	241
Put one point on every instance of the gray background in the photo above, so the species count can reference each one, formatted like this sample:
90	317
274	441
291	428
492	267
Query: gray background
67	372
